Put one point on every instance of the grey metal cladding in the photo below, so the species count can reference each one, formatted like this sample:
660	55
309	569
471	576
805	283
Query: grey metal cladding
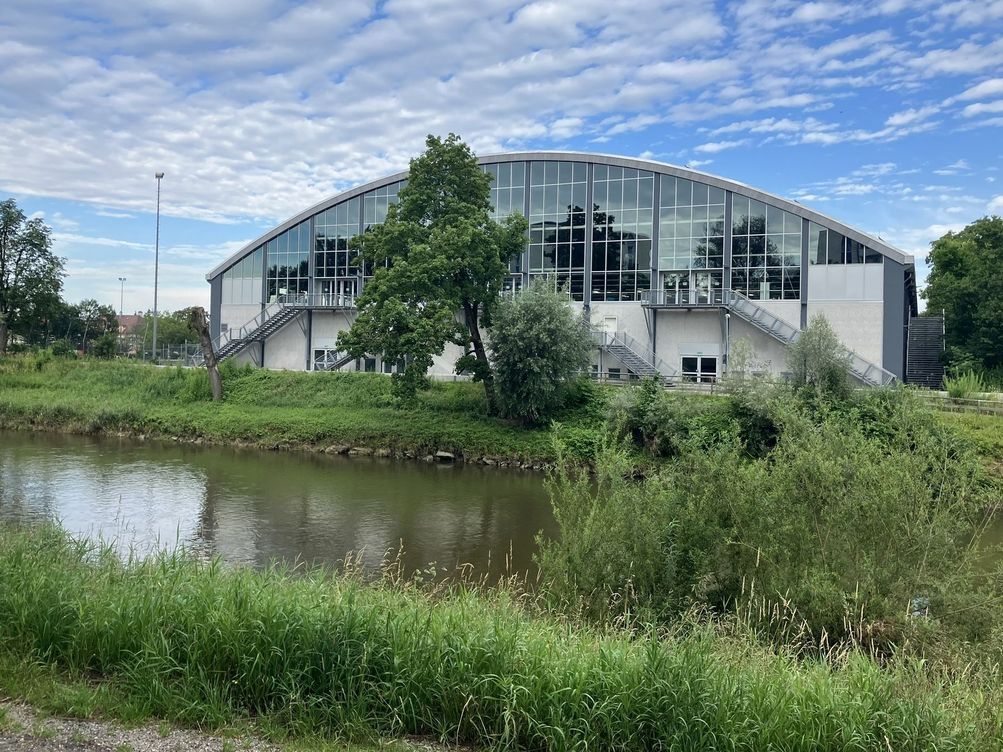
608	159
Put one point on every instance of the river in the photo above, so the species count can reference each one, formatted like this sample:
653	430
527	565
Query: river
252	507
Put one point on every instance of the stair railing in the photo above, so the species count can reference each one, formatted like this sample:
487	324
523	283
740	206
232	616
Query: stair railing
605	339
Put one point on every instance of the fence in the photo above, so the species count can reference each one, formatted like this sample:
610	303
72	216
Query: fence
984	405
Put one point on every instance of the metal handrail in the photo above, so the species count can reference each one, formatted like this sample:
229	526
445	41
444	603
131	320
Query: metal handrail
606	338
684	298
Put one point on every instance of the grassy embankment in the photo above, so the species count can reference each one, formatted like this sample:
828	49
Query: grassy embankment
306	411
263	408
202	644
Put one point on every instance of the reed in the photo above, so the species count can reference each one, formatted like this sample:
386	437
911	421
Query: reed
204	644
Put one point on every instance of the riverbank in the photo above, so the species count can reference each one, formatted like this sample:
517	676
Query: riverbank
343	413
203	645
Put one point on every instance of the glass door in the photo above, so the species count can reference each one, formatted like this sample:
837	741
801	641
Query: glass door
677	288
700	369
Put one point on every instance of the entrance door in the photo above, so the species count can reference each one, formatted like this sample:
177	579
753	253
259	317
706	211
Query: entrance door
609	324
701	369
677	288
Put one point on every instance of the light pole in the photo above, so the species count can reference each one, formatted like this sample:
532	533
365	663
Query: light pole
156	267
121	297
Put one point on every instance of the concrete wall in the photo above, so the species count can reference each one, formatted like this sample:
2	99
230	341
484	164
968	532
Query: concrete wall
858	325
235	316
287	348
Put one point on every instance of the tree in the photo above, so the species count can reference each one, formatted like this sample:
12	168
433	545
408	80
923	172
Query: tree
199	324
31	276
966	282
104	346
538	343
818	360
94	319
437	255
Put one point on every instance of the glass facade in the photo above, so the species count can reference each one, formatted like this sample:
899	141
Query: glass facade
766	241
334	268
690	238
374	205
827	246
508	196
242	281
557	201
622	218
288	257
765	250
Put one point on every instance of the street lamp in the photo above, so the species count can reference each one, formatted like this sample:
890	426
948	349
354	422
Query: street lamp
156	267
121	297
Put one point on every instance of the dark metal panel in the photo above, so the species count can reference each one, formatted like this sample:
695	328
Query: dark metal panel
215	305
804	273
895	323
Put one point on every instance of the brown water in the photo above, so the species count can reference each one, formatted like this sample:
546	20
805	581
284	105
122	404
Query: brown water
252	507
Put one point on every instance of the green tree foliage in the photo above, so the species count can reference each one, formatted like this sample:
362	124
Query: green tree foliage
819	362
966	282
31	275
438	253
172	328
538	344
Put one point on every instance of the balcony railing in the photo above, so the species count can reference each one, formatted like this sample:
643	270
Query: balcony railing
684	298
316	300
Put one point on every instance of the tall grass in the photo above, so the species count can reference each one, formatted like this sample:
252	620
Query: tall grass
204	644
966	385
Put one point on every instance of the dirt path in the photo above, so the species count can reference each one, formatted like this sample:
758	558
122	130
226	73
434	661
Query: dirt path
22	729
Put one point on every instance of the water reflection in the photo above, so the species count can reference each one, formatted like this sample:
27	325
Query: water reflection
252	507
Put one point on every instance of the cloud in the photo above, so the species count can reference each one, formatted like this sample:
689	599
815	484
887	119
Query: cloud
910	116
713	147
988	88
982	108
995	206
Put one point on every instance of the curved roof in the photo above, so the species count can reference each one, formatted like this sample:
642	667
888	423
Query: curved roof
608	159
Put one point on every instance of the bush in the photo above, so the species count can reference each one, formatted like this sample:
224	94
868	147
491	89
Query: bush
63	348
855	511
105	346
818	361
538	344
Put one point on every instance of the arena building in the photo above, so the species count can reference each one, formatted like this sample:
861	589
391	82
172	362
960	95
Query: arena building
675	267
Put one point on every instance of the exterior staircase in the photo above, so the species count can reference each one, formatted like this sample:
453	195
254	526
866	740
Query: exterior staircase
923	358
332	360
273	317
749	310
637	358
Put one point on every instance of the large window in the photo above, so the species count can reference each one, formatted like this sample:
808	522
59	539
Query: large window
375	204
333	262
288	258
508	196
242	281
827	246
622	212
557	199
765	250
690	239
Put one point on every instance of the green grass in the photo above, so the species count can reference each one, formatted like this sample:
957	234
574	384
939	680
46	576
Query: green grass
265	408
200	644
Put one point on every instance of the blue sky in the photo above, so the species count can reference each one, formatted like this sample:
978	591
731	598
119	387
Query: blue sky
885	114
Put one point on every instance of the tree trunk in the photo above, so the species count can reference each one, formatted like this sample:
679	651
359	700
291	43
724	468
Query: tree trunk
4	334
200	325
483	365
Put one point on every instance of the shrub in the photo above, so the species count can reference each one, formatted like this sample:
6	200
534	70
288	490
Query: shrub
856	510
105	346
63	348
818	361
538	344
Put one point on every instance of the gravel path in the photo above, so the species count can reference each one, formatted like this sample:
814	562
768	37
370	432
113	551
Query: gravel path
21	728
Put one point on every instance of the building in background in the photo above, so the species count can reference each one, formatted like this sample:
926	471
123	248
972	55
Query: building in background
674	267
